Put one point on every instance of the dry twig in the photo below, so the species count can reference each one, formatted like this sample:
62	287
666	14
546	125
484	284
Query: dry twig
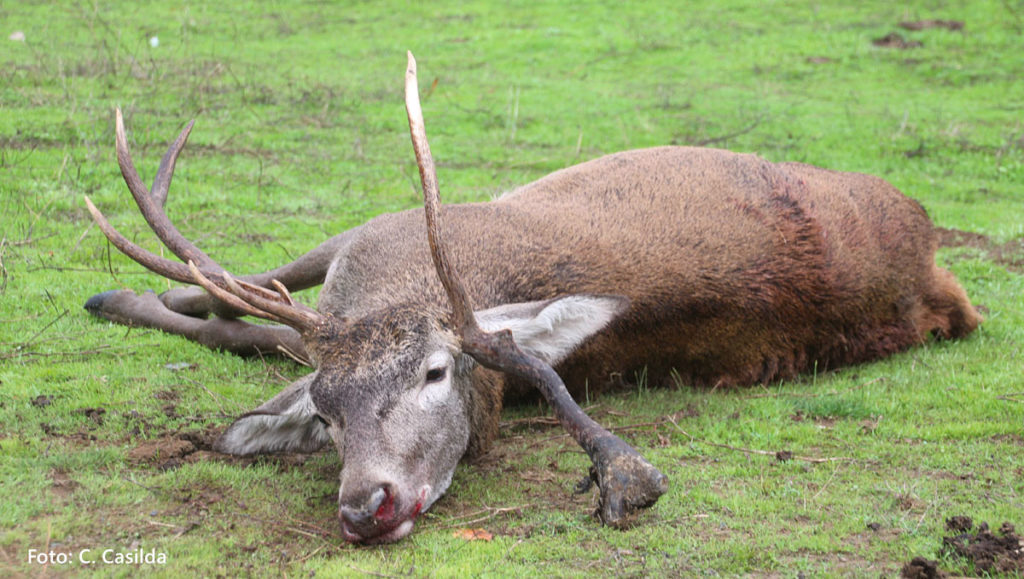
762	452
732	135
491	513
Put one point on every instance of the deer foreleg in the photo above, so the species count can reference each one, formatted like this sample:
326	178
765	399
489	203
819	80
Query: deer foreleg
243	338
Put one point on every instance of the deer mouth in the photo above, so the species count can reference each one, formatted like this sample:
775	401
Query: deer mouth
388	524
388	534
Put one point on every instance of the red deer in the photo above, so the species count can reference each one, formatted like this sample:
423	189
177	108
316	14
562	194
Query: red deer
701	265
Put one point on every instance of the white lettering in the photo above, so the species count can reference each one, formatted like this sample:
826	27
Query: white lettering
138	556
48	558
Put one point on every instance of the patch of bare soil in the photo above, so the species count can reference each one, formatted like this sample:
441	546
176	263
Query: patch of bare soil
62	484
173	450
21	142
1001	552
164	452
1009	255
896	40
94	414
955	238
545	486
926	24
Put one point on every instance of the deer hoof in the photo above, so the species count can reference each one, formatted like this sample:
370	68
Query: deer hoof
94	305
123	306
628	483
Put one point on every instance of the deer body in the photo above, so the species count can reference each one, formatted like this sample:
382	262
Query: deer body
711	267
737	270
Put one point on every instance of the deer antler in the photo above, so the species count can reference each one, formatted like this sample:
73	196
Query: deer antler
627	481
201	269
151	205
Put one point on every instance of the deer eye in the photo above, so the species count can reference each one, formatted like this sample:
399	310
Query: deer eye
435	375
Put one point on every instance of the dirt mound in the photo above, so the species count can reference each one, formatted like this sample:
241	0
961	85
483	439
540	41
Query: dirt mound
989	553
921	568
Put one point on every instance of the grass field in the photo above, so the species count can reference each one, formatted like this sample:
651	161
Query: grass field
301	133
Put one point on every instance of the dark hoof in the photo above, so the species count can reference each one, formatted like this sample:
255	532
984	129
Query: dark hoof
628	483
95	304
123	306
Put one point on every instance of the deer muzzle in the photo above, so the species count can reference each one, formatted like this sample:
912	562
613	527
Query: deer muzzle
382	514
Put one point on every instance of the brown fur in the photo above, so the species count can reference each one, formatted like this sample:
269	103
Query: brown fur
739	271
762	271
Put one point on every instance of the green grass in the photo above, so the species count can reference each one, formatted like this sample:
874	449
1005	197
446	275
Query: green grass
301	133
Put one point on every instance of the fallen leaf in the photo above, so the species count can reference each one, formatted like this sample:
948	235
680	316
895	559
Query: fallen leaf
473	535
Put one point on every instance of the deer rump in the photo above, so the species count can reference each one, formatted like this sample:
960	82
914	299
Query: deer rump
699	265
737	270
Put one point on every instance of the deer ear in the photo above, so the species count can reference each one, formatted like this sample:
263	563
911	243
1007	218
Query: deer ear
287	422
552	329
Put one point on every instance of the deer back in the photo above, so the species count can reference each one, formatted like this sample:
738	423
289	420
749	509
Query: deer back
737	269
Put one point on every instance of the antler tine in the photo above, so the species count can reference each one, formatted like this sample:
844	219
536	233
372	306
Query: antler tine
626	480
248	298
164	174
226	296
283	291
296	315
159	265
293	314
151	205
163	266
462	308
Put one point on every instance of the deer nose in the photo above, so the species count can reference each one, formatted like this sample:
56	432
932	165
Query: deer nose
379	506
